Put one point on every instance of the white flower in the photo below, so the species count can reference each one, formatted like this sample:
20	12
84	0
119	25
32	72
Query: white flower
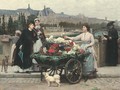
59	40
71	52
64	52
76	47
50	39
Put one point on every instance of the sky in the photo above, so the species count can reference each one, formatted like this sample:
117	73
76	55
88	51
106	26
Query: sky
90	8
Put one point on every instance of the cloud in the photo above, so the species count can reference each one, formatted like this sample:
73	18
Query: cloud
91	8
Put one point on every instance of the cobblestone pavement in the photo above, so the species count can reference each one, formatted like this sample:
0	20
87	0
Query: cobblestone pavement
37	84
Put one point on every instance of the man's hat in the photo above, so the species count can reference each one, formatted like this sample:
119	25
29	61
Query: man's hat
110	23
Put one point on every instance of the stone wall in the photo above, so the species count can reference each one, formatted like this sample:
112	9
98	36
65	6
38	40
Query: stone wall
4	49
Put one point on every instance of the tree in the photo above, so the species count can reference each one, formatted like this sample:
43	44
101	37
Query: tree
21	21
31	18
15	26
1	32
10	25
3	24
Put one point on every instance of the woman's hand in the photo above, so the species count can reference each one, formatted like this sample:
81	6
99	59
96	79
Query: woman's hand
66	37
86	47
104	38
110	37
20	47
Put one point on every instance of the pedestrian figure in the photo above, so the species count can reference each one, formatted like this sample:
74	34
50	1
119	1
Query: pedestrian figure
112	45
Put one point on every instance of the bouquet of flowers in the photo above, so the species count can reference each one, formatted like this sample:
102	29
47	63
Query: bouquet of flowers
61	46
54	49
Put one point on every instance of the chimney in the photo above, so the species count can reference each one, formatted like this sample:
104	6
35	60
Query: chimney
28	6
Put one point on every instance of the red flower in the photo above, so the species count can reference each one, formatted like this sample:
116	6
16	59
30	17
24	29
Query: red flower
67	49
55	45
54	48
82	51
71	43
51	51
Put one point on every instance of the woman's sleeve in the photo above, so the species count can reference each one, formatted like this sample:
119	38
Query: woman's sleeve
115	34
92	41
35	38
76	38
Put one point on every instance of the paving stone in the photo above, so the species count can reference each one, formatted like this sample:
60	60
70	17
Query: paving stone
110	83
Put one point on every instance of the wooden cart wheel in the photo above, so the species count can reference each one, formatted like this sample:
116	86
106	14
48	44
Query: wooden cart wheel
54	70
73	71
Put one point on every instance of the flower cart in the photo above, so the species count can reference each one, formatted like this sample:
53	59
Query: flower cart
69	62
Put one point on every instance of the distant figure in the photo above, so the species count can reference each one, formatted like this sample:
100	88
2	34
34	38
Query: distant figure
5	64
112	45
14	41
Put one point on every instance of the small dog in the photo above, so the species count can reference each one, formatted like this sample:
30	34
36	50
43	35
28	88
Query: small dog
5	64
52	79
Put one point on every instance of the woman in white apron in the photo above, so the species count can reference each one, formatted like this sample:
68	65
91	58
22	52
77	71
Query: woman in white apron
90	65
37	45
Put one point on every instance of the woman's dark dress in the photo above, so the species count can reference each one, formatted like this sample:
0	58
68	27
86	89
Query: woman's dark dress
112	48
26	40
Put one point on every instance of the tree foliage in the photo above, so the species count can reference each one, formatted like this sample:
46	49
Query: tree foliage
3	25
21	21
10	25
31	19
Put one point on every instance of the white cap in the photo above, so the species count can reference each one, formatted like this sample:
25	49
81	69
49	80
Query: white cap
18	31
36	19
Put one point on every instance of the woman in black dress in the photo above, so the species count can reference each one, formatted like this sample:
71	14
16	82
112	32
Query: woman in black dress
112	45
25	44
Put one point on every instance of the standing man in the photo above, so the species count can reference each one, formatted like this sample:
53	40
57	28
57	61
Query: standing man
112	45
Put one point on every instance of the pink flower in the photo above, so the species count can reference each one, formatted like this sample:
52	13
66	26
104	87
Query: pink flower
82	51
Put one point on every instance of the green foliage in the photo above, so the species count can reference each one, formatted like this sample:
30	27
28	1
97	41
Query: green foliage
95	26
98	26
71	25
10	25
3	25
21	22
49	25
31	19
66	24
17	24
1	31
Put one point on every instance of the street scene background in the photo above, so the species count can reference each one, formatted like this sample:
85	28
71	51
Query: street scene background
59	18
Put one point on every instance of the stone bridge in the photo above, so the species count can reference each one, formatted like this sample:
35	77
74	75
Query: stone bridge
100	48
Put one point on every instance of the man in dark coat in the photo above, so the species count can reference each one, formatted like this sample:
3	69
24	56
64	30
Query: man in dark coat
112	46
